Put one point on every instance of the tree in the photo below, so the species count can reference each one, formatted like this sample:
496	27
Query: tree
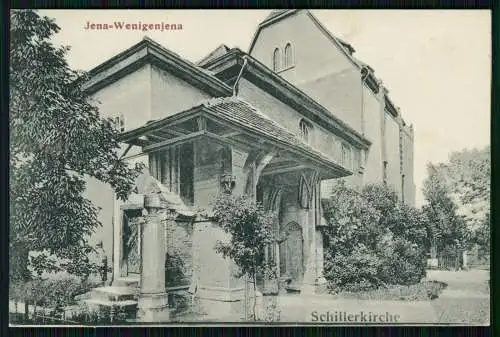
448	228
465	181
469	174
251	232
58	139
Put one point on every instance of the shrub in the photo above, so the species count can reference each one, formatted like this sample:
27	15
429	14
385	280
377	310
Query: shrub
49	292
250	228
174	269
371	240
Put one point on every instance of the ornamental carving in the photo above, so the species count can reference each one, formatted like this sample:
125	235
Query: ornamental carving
307	187
227	182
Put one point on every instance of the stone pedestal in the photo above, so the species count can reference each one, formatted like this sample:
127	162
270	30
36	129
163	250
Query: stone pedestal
153	300
153	308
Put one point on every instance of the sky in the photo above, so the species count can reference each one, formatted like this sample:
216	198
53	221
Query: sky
436	64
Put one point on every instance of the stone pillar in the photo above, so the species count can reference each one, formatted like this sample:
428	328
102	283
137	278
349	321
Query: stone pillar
319	257
153	300
117	239
307	217
309	283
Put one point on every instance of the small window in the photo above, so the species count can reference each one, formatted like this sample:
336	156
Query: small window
119	122
305	129
288	62
385	172
276	59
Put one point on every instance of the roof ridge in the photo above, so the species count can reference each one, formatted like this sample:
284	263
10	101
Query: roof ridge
235	99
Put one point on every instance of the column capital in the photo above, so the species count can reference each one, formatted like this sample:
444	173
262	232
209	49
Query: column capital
152	201
307	184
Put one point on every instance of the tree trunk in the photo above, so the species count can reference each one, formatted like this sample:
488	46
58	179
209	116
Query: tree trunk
26	311
19	258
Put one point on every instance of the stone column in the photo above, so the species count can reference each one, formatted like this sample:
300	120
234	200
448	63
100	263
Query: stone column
307	216
117	238
319	257
153	300
308	286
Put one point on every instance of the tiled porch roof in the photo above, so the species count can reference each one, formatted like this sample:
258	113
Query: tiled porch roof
241	115
235	110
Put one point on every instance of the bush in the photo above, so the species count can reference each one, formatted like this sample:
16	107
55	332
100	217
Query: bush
103	315
371	240
416	292
49	292
174	269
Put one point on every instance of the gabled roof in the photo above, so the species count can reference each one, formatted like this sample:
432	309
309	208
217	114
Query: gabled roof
217	52
343	46
276	13
236	110
149	51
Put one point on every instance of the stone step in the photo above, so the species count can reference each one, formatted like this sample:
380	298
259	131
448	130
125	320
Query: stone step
128	306
293	288
93	302
113	293
126	282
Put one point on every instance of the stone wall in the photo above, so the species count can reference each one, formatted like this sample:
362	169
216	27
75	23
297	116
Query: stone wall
179	243
170	94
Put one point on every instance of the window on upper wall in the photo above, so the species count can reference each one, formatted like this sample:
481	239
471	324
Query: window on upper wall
276	59
119	122
384	174
305	129
288	61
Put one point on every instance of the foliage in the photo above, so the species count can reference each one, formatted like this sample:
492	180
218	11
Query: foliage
482	236
57	138
371	239
447	228
103	315
174	269
250	228
251	231
463	181
421	291
49	292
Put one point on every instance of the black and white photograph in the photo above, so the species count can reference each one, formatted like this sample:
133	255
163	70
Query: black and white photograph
261	167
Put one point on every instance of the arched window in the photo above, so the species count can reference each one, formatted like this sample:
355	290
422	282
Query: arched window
122	123
305	129
288	62
276	59
119	122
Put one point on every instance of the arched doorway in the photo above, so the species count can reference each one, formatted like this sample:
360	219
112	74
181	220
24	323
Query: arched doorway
291	264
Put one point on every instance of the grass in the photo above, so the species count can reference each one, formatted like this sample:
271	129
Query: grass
470	311
423	291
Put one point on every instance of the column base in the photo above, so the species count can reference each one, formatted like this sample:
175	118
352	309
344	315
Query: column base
153	308
221	293
222	311
271	287
307	289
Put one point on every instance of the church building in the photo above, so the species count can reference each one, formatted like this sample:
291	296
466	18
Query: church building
280	123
